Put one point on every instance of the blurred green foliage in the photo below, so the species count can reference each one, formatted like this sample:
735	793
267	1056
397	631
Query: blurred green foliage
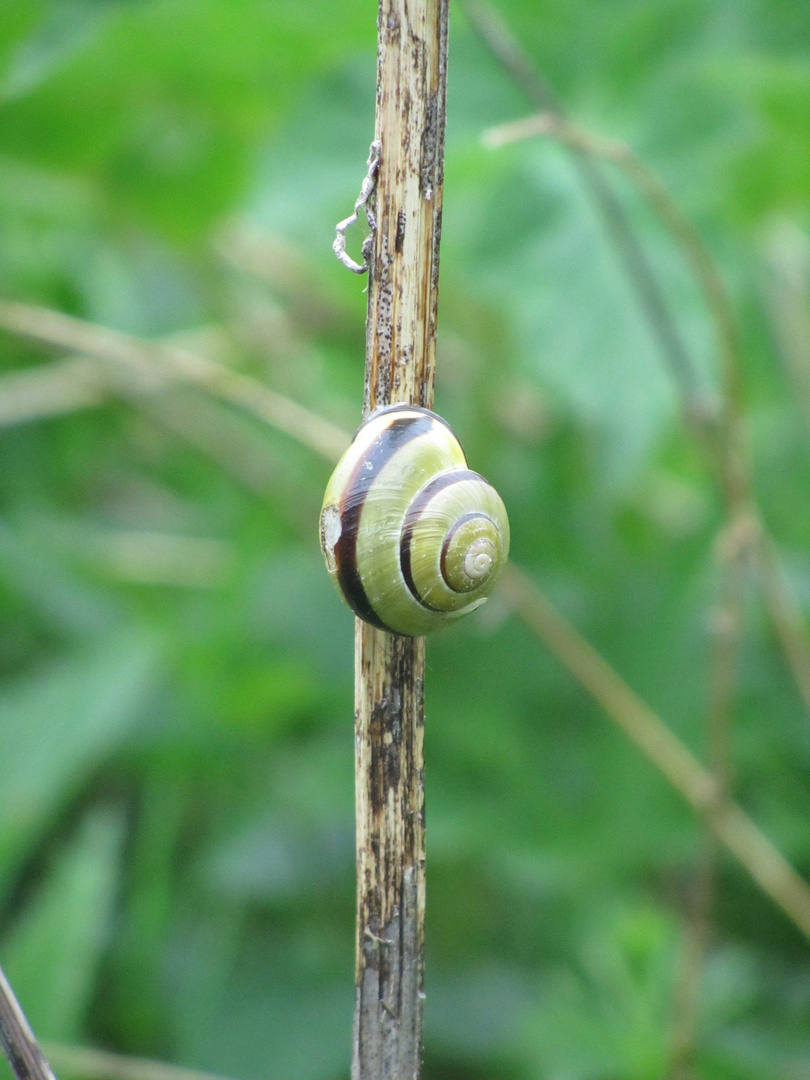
176	807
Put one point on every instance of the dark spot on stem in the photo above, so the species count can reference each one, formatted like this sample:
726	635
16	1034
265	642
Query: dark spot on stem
399	242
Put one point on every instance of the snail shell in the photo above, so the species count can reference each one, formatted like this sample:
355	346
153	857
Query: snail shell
412	538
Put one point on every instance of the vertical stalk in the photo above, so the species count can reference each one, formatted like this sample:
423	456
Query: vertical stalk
389	669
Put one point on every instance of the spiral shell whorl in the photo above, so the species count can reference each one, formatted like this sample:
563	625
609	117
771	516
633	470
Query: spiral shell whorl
412	538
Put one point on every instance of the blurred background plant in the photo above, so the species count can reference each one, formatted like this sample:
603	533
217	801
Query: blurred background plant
176	804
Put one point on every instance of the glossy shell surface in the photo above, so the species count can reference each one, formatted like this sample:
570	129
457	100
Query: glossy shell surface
412	538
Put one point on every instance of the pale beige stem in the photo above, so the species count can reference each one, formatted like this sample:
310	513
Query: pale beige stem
785	615
729	455
403	262
157	366
90	1064
17	1041
726	620
726	443
50	390
694	781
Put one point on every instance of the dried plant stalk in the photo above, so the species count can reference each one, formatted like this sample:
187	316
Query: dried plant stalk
389	669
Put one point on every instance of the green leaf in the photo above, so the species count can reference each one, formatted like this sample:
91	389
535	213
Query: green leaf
57	726
53	953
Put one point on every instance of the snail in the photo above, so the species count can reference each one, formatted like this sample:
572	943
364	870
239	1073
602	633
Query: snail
412	538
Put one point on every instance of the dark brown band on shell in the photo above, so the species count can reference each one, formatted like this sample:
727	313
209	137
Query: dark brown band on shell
449	539
391	440
415	511
384	410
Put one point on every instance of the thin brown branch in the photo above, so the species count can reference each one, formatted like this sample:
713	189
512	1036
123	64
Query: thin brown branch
215	431
506	49
143	364
785	615
201	420
694	947
726	632
743	535
668	211
725	445
729	455
17	1040
733	828
503	45
787	250
730	460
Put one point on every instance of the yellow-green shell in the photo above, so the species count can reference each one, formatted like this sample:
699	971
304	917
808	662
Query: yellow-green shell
412	538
